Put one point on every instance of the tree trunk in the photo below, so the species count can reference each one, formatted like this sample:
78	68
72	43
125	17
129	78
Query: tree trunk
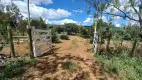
100	44
108	43
121	43
12	52
133	47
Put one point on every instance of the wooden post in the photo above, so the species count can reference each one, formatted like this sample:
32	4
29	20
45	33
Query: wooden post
10	38
30	41
34	43
50	38
51	44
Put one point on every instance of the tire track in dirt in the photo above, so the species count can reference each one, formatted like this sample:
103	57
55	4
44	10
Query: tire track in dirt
76	48
51	65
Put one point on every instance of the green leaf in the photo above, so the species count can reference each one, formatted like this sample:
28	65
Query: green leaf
126	7
112	10
140	10
102	6
132	2
116	3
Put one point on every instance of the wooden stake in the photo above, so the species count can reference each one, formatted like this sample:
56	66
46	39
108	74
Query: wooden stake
30	41
10	38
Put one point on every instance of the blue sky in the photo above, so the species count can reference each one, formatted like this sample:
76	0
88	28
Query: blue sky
61	11
78	8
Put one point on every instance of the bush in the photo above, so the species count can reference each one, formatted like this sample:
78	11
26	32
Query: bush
14	68
127	37
55	38
64	37
128	68
1	47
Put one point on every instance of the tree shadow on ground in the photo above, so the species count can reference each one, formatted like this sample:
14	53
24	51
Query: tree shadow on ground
49	62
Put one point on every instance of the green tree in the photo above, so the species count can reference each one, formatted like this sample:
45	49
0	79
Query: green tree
10	17
59	29
22	27
14	14
39	24
71	28
130	9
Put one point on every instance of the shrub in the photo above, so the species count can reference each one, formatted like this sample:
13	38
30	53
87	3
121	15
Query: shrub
64	37
127	68
1	47
127	37
55	38
14	68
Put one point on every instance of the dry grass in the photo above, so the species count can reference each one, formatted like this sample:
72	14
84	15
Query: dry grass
21	49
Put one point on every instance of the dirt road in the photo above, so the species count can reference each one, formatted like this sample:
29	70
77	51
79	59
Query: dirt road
76	46
71	60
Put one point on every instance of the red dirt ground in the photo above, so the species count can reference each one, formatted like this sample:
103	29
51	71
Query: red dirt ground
51	66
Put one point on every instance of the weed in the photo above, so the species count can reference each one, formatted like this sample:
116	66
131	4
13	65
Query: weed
1	47
70	66
73	44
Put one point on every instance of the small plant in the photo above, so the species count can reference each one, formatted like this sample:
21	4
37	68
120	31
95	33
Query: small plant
73	44
64	37
14	68
1	47
70	66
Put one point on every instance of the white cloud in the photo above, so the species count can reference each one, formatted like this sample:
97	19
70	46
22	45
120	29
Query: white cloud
38	2
104	19
37	11
117	25
116	18
78	11
88	20
62	21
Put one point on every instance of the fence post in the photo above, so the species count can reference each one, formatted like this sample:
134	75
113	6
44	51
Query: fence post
51	45
29	30
34	43
10	38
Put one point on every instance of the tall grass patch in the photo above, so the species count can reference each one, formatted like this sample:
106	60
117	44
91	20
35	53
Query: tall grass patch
127	68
